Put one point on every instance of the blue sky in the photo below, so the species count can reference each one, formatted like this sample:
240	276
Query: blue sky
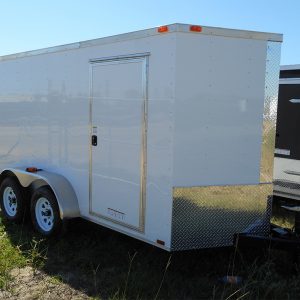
33	24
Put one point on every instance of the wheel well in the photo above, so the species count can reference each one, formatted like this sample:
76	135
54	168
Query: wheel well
58	184
37	184
28	191
6	174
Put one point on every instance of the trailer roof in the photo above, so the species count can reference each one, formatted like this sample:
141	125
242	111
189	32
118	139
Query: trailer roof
177	27
289	67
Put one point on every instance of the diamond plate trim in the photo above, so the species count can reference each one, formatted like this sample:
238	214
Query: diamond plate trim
209	216
270	111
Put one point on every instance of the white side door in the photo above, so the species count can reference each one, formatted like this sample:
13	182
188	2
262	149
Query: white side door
118	139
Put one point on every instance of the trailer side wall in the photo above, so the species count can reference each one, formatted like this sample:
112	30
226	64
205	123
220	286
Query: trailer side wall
44	120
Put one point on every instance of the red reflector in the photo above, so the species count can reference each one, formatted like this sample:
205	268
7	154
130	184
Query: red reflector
195	28
160	242
32	170
163	29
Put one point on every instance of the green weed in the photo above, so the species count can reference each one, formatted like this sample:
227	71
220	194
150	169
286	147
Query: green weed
10	257
108	265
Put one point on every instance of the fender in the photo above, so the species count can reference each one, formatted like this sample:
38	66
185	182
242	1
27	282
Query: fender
61	187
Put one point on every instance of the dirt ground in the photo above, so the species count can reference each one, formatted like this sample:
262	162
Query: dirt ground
92	262
29	284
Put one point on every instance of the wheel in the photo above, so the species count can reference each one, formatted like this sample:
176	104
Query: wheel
45	212
12	200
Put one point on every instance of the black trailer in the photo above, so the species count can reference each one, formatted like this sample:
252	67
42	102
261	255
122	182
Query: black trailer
287	146
285	217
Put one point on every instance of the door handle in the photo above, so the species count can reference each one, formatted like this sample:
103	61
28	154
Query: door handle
94	140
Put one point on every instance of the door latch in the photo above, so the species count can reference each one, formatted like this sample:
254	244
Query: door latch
94	140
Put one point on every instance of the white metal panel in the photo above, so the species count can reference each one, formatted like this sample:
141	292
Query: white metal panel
44	115
284	169
219	110
289	67
289	81
118	108
161	87
286	178
44	120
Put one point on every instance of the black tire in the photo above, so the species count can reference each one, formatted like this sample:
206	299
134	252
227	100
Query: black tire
12	200
44	210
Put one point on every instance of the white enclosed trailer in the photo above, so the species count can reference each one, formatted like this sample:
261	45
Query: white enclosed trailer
165	134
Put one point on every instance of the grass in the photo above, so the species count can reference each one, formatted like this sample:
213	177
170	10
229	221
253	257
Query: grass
108	265
10	257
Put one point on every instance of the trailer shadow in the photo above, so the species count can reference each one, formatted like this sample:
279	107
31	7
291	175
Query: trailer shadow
105	264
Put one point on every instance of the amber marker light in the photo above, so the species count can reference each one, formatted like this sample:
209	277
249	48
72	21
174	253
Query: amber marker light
160	242
195	28
162	29
33	169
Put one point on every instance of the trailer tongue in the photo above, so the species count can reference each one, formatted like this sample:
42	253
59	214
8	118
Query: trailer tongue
280	238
